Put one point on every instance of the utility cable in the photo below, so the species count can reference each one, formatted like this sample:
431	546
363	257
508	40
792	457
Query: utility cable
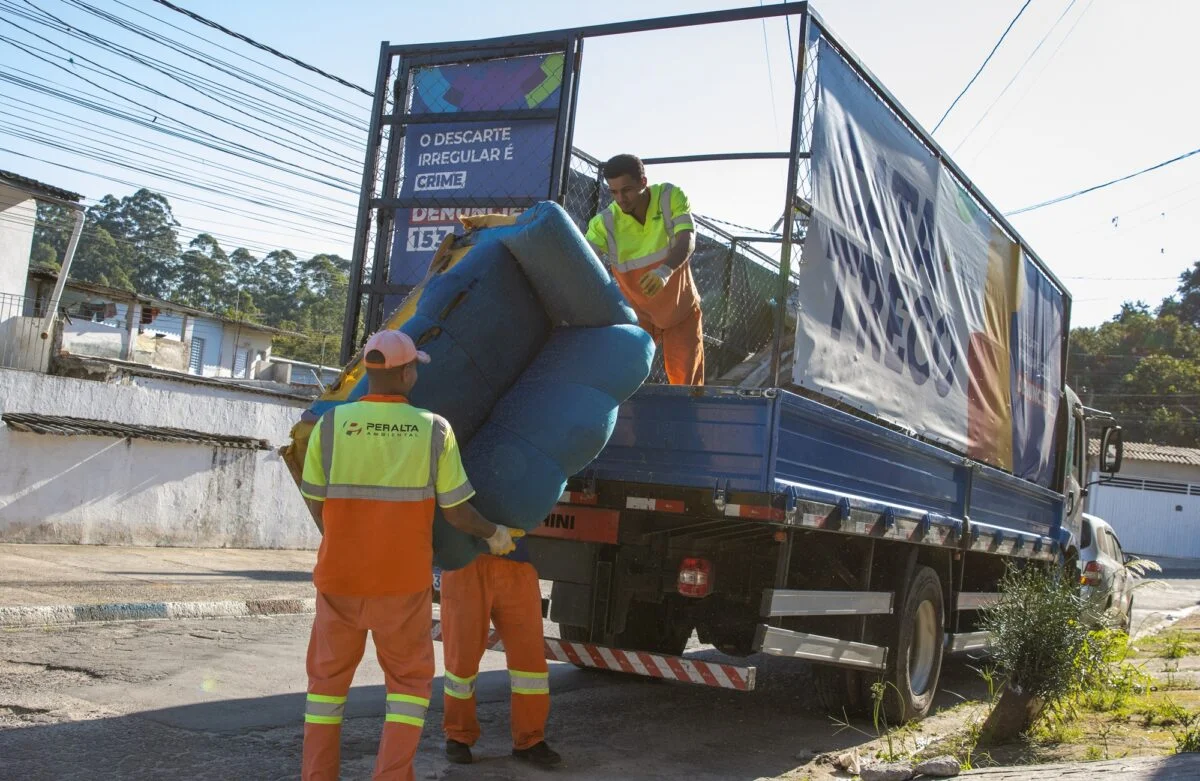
981	67
245	39
1102	185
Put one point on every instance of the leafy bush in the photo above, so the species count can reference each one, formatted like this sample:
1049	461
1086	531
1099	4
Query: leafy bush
1037	634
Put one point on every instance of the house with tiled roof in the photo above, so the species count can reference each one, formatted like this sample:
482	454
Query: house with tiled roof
1153	503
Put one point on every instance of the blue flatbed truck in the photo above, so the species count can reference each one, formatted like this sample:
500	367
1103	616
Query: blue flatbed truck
858	518
772	523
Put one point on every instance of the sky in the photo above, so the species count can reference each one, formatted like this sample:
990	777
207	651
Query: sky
1103	95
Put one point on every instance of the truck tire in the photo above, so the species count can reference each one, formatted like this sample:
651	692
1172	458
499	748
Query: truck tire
915	653
840	691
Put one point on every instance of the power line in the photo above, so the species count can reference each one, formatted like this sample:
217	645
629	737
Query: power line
75	32
1034	81
184	131
1102	185
215	44
770	75
1016	75
229	69
136	185
101	134
981	67
249	107
264	47
145	165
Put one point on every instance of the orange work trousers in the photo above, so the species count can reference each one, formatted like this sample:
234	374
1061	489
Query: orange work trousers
507	593
402	630
682	347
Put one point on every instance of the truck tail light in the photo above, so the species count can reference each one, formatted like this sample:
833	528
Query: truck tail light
695	577
1091	574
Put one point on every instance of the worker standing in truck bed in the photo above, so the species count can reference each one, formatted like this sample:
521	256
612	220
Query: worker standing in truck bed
647	237
372	472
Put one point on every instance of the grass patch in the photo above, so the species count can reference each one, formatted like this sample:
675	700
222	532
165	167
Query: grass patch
1175	646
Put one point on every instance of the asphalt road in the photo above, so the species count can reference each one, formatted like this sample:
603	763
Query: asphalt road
223	698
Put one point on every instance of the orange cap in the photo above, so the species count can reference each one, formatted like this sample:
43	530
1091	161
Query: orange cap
397	347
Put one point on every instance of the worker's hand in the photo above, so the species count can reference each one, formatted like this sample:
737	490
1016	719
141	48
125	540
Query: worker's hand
654	281
501	543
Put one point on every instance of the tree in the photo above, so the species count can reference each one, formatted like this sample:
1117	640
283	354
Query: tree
1188	305
98	259
143	227
204	276
1143	367
51	234
321	305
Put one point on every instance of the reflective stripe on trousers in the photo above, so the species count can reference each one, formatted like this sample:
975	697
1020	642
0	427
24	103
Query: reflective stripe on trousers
521	682
406	709
460	688
324	709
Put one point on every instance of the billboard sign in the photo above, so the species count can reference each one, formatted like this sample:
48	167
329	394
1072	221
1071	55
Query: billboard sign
915	306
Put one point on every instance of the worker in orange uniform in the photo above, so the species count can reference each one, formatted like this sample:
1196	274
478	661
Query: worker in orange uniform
372	472
647	237
503	590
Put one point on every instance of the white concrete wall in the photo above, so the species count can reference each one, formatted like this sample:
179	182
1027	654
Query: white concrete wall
98	490
17	214
83	337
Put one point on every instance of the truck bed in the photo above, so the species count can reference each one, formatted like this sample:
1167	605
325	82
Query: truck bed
816	458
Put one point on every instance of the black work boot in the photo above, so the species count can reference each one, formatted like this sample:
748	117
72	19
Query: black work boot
458	753
538	754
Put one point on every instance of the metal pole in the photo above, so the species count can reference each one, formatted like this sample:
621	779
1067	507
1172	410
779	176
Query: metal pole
60	283
560	162
749	13
789	209
385	220
362	227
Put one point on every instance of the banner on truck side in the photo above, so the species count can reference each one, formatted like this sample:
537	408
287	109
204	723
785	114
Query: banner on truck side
914	305
489	160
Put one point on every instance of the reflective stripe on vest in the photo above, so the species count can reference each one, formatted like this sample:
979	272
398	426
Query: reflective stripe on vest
406	709
331	490
609	218
326	435
459	688
521	682
324	709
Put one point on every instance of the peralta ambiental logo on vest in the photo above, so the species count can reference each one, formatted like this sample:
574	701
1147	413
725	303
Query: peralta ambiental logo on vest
353	427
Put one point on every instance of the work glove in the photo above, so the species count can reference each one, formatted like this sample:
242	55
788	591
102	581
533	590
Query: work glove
654	281
501	543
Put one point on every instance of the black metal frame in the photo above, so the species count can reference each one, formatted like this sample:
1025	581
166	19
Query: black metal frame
570	43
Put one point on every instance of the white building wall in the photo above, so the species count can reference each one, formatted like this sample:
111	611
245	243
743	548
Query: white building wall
99	490
1152	516
17	214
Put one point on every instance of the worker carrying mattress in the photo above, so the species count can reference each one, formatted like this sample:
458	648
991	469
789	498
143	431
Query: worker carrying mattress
533	348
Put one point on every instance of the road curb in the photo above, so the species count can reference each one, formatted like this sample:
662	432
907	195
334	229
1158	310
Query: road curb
44	615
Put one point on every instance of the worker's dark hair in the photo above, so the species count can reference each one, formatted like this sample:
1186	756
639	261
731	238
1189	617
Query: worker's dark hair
624	165
375	357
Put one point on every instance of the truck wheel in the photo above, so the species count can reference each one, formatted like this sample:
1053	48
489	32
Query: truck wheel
840	691
915	658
